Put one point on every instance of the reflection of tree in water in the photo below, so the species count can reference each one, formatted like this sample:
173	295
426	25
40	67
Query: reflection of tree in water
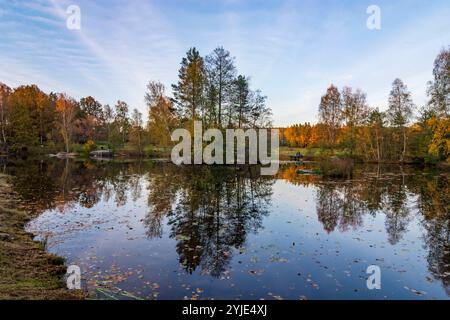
45	185
338	206
343	204
434	204
163	187
396	210
437	239
210	211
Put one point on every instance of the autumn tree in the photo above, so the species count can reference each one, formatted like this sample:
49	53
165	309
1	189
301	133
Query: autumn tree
90	106
376	122
108	122
92	117
66	109
155	93
113	134
136	130
162	119
400	112
121	119
189	91
300	135
330	113
439	107
25	116
354	114
439	88
44	114
440	143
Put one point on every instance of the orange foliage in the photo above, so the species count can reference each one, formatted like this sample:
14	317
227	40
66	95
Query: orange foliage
301	135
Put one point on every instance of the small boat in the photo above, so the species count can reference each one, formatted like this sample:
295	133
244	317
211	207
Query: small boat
65	155
102	154
306	171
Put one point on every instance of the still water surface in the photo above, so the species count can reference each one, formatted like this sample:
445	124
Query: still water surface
153	230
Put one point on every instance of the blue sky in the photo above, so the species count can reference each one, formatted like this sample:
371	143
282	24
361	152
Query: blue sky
292	50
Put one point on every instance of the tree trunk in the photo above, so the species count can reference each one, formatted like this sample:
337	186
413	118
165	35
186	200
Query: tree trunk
404	145
378	145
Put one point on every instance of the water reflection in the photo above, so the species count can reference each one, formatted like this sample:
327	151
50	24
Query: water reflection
211	212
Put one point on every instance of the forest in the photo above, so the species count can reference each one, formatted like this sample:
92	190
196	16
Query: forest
404	132
210	89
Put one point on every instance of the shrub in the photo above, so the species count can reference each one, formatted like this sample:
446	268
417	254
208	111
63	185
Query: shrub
89	146
337	167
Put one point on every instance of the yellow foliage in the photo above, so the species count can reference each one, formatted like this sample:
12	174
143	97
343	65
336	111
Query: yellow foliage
440	144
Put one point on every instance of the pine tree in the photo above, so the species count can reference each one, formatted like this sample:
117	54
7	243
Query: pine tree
221	77
241	100
189	91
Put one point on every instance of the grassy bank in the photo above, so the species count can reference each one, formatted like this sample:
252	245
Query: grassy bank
308	153
321	154
26	270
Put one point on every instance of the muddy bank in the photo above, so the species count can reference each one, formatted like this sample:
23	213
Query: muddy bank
26	270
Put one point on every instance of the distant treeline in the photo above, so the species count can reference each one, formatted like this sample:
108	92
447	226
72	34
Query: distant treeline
347	122
209	89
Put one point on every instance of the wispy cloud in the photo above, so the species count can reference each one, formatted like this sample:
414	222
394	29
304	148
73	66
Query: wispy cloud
292	50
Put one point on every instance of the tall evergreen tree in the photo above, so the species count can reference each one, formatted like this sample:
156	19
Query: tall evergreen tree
221	76
241	100
189	91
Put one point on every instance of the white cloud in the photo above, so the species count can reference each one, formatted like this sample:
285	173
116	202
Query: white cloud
291	50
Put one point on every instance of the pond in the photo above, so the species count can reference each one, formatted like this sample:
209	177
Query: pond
153	230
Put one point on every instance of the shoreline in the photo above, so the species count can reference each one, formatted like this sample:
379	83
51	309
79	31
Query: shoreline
27	270
283	159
